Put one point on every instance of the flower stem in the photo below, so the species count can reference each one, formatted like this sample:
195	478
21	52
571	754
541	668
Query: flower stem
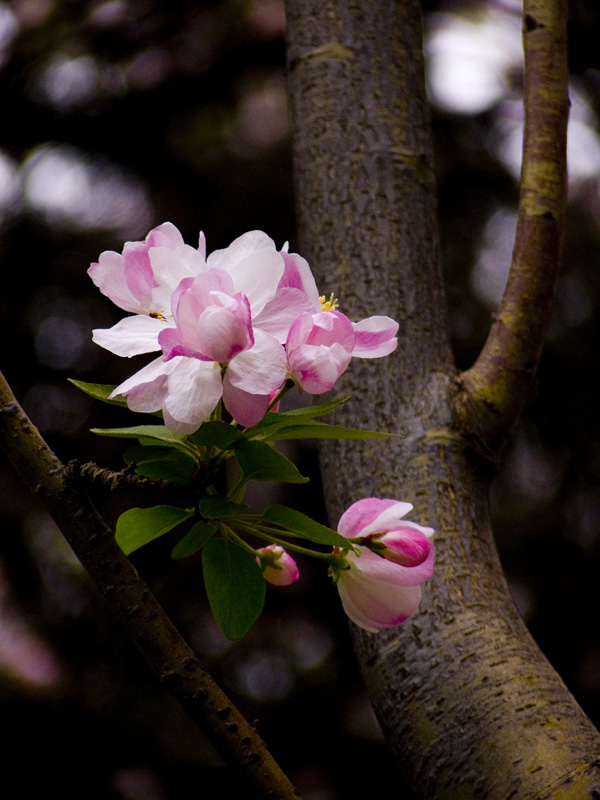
265	533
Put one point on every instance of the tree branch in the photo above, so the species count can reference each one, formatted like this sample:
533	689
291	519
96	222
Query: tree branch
130	599
495	388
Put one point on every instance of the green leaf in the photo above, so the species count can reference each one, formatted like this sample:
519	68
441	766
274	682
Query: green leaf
235	586
100	391
138	526
320	430
147	434
304	526
165	463
219	507
283	419
261	462
310	412
194	540
215	433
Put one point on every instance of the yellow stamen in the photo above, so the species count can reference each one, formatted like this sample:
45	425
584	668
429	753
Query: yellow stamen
328	305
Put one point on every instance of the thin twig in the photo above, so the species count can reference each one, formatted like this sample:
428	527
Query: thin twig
130	599
496	386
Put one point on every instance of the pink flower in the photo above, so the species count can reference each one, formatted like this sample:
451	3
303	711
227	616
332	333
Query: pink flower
220	322
232	309
128	278
296	294
278	567
382	592
319	346
137	281
213	322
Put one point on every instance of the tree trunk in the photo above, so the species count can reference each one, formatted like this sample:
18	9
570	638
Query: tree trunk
468	704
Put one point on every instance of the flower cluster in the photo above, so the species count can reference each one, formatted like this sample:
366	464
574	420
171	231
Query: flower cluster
239	327
380	586
233	326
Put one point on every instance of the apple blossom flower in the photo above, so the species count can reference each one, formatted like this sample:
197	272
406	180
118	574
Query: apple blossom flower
380	588
319	346
277	565
137	281
231	310
217	321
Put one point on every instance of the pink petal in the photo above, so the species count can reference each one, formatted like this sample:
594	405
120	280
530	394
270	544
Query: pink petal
109	276
371	596
245	408
138	272
282	311
409	548
248	244
172	345
202	245
297	275
332	327
299	332
146	389
381	570
165	235
317	368
371	515
261	369
375	337
169	270
224	329
194	389
254	265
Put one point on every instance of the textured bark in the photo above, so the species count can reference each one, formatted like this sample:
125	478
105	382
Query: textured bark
467	702
496	386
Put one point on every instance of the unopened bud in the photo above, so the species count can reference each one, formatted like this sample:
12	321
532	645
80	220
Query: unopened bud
278	567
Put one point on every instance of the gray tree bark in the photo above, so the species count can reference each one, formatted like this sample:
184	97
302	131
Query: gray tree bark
467	702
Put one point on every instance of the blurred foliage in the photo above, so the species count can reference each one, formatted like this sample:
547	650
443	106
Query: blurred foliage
121	114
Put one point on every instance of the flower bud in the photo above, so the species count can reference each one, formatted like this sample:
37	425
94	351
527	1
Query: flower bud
278	567
408	545
379	593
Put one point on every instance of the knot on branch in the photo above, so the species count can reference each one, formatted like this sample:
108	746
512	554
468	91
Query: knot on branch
125	479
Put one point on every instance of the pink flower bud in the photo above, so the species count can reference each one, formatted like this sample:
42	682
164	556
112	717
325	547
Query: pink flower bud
319	348
409	544
376	592
278	567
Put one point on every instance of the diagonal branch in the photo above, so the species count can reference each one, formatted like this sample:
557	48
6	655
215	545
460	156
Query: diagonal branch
130	599
495	388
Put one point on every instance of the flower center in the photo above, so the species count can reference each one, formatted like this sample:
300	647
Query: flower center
328	305
158	315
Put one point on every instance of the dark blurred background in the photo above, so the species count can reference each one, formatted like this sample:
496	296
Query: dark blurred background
120	114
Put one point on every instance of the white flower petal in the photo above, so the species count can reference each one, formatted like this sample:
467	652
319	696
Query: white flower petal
194	389
261	369
131	336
